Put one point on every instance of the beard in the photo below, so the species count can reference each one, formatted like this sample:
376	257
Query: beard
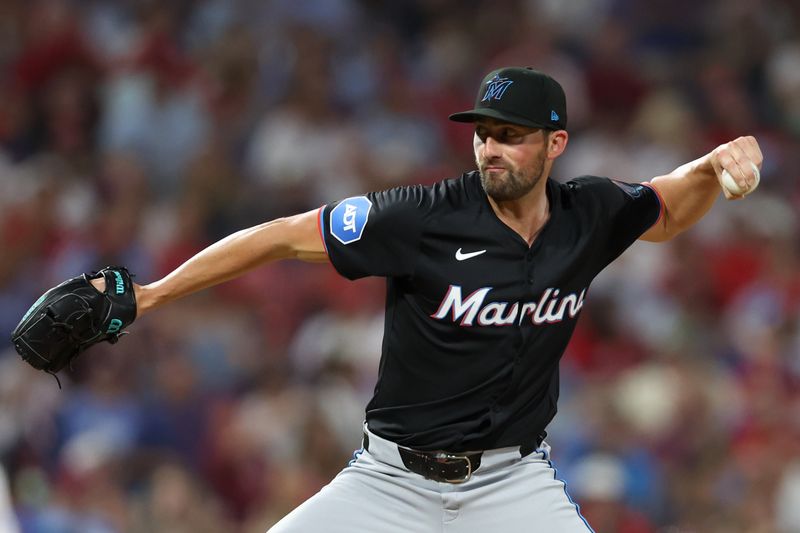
511	184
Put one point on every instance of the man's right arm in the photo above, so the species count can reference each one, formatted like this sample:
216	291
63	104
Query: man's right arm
688	192
295	237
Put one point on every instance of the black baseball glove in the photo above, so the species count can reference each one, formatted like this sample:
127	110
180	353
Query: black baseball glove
73	316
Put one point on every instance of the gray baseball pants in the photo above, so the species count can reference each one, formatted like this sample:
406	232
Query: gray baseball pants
375	493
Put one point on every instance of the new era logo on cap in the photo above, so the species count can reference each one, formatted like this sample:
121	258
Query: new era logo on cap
519	95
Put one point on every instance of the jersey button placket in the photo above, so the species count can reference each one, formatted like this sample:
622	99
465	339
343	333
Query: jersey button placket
519	347
518	343
529	267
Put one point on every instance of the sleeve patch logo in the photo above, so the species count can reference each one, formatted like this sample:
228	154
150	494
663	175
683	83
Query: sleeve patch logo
349	218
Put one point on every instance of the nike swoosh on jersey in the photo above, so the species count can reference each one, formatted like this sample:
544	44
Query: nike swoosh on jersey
461	256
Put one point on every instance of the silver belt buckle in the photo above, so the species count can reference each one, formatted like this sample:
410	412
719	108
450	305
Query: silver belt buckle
449	458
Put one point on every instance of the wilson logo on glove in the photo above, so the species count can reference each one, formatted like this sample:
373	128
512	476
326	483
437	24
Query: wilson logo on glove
119	282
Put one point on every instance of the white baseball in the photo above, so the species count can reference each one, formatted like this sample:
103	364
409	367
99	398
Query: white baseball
733	187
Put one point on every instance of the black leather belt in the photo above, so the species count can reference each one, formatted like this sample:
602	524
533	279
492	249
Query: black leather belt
443	466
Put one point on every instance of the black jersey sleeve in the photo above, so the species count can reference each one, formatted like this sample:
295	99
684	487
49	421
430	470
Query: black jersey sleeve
377	234
622	212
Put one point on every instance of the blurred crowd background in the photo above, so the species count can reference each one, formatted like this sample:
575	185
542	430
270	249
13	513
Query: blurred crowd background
138	132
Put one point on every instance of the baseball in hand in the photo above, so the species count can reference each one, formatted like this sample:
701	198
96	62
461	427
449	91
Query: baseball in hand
733	187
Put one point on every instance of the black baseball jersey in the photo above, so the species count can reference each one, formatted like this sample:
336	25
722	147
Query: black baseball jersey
477	320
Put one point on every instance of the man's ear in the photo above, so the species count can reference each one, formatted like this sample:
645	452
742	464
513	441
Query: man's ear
557	143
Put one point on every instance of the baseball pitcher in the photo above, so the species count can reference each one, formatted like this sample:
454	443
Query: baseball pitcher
486	274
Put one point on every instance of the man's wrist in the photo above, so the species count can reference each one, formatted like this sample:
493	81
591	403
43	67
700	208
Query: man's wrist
145	298
704	167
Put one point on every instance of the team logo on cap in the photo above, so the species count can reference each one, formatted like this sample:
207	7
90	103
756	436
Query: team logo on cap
496	88
554	116
349	218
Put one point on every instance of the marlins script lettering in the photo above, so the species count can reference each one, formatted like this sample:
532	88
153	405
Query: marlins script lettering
549	309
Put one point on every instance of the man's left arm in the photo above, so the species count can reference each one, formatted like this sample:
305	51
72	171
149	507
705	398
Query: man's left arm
688	192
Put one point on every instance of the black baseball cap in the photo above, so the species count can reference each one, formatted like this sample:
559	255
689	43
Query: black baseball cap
519	95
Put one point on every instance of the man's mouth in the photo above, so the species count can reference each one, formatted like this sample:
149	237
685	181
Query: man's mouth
493	168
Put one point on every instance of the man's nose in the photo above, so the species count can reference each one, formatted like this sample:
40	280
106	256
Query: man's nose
491	148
